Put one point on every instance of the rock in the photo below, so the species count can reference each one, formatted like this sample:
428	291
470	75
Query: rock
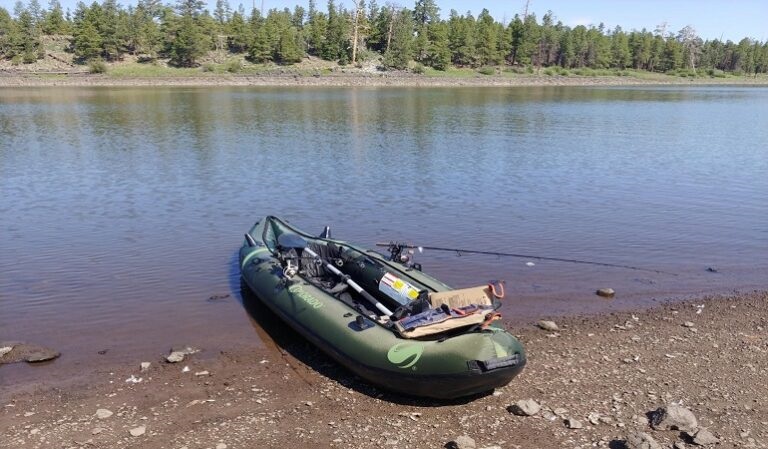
13	352
138	431
594	418
688	324
573	423
678	445
463	442
202	373
175	357
674	417
221	445
178	353
96	430
103	413
641	440
712	269
524	407
703	437
145	366
42	355
606	292
548	325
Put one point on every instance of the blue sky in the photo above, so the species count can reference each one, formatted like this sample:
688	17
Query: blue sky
712	19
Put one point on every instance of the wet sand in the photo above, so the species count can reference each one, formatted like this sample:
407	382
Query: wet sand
613	369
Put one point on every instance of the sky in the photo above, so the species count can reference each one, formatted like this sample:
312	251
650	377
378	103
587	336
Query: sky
712	19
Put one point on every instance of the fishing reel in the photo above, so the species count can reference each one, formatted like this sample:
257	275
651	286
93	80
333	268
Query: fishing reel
403	253
290	261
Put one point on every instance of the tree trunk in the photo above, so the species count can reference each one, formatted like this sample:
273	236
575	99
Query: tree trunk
355	31
391	24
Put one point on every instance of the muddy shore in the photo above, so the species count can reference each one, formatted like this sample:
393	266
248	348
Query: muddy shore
606	372
358	79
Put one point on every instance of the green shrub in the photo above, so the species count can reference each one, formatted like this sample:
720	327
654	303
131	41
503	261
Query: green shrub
17	60
29	57
208	67
234	66
418	68
97	66
718	74
549	71
529	70
486	70
515	69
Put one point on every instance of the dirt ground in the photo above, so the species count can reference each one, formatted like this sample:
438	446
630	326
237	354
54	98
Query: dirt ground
351	78
606	372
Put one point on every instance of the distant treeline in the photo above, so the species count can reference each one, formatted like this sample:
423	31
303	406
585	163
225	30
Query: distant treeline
402	37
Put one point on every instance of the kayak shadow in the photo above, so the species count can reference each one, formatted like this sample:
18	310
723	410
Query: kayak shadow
289	342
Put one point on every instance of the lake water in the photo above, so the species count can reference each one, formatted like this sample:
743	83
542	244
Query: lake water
122	209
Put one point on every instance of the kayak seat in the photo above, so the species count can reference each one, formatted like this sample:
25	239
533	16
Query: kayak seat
328	253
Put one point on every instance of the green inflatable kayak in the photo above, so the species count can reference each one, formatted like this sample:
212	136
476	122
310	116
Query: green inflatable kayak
381	317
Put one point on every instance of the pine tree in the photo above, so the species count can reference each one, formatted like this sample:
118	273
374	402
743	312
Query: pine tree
87	42
316	30
222	13
36	12
288	50
399	53
189	41
144	34
487	40
239	34
7	27
439	54
26	43
620	53
336	43
54	22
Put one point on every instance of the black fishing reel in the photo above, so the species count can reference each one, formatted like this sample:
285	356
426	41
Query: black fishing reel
403	253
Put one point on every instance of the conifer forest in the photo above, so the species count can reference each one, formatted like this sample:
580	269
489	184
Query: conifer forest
398	37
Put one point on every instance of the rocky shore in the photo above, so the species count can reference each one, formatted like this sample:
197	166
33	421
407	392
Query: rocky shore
681	375
356	78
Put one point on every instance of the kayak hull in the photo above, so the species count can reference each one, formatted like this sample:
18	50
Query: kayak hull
446	368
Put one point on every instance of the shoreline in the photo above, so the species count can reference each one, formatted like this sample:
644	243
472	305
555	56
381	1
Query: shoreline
605	371
361	80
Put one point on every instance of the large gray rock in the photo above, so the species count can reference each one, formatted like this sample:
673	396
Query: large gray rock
703	437
178	353
25	352
548	325
674	417
641	440
463	442
103	413
525	407
606	292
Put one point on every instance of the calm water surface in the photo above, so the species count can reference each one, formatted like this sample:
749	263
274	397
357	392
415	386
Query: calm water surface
121	210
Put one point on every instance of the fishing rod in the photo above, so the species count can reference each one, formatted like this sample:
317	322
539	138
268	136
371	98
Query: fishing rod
396	248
